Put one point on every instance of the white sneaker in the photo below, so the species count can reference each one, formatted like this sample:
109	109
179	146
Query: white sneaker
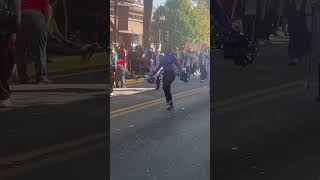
5	103
111	94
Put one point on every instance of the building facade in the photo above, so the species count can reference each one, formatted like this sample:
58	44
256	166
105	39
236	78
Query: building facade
129	22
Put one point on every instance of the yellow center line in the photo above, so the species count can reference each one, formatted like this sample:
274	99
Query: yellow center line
257	93
155	101
59	158
261	99
234	103
51	149
65	155
152	103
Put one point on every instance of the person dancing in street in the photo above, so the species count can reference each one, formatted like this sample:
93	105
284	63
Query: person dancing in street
167	63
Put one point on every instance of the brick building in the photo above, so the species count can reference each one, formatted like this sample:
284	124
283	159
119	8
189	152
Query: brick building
129	22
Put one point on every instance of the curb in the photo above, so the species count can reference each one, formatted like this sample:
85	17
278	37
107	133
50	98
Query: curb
134	81
71	63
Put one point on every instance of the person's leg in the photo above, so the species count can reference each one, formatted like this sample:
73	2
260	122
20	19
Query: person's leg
39	48
4	88
5	73
293	49
158	82
168	78
166	89
111	82
22	44
118	73
123	78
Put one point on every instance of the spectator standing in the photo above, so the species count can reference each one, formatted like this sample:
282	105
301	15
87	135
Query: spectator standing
121	73
299	44
32	35
7	54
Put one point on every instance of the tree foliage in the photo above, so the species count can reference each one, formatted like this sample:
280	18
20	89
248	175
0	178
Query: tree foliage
185	22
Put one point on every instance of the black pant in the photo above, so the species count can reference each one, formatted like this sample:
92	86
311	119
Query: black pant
158	80
120	76
6	65
168	78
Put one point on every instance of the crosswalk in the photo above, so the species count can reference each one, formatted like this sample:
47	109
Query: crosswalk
130	91
36	95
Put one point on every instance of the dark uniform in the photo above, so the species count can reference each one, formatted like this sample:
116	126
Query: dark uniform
7	47
167	62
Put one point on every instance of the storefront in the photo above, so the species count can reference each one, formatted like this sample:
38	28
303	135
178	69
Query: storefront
129	24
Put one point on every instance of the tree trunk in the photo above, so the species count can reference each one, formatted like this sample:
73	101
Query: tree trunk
148	4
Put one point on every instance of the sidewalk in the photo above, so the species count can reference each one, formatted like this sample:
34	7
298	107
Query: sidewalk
70	64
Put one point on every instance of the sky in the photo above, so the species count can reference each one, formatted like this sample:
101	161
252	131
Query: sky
157	3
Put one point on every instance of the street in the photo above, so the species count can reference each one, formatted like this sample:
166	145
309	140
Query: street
56	131
265	119
149	142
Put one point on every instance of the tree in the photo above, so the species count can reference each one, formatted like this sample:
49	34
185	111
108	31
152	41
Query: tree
148	4
185	22
202	15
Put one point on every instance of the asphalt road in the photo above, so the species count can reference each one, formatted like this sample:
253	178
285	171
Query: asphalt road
152	143
56	131
59	131
265	119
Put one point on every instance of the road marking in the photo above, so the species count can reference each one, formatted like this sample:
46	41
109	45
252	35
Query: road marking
257	97
129	91
48	150
225	109
144	105
258	93
55	159
62	152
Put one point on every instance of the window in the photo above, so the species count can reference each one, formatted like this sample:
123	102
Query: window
133	16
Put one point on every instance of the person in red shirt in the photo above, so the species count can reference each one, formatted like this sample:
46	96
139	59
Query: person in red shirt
32	35
121	72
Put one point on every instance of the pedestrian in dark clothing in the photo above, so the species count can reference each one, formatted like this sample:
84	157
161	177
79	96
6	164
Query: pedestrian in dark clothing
167	62
7	58
6	66
299	44
32	35
121	73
